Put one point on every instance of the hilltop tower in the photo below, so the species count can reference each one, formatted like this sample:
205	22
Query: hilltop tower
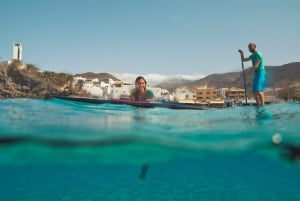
17	51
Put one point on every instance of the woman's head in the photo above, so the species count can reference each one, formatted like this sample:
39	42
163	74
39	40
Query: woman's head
140	83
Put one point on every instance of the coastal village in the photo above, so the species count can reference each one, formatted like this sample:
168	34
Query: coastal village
209	97
117	89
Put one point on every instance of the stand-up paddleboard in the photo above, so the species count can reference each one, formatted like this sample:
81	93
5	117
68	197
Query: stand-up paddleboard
82	99
143	104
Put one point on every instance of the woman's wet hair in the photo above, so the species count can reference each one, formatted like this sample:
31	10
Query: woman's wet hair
140	78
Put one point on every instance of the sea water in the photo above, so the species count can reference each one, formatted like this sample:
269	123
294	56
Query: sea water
64	150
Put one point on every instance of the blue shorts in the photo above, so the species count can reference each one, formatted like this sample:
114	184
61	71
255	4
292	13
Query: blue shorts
259	82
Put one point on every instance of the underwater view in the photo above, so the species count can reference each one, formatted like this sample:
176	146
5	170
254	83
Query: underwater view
63	150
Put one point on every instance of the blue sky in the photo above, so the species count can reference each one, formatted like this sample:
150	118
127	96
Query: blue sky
149	36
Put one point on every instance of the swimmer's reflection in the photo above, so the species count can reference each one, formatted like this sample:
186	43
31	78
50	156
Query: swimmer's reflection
140	116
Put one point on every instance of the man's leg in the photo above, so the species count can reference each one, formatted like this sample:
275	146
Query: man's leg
261	98
257	98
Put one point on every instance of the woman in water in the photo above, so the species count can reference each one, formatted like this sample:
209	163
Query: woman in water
141	93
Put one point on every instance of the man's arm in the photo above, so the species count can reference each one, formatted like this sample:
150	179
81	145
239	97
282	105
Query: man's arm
256	63
243	57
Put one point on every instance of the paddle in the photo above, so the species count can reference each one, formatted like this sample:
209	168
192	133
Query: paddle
244	75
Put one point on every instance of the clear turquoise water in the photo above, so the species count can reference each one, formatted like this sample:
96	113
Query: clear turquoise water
60	150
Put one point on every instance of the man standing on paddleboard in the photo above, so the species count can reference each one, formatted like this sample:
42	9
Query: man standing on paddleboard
258	86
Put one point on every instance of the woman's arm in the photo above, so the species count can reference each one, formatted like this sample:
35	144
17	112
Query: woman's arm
150	95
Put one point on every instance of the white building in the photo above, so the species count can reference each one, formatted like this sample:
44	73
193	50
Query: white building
17	51
115	89
121	92
78	79
184	93
93	89
96	89
221	93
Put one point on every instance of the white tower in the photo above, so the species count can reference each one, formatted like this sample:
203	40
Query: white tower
17	51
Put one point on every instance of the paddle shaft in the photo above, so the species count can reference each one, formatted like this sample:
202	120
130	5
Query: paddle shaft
244	75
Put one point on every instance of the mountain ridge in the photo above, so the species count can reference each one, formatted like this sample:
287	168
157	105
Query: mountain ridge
20	80
277	76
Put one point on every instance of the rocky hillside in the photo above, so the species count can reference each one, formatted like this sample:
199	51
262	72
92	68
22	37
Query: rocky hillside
18	80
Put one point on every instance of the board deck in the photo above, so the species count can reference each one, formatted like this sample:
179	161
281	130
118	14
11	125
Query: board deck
143	104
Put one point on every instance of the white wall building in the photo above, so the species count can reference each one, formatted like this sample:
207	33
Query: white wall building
221	93
121	92
115	89
17	51
78	79
93	89
184	93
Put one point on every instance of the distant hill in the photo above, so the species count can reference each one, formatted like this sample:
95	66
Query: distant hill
172	84
216	80
278	76
104	77
21	80
285	75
